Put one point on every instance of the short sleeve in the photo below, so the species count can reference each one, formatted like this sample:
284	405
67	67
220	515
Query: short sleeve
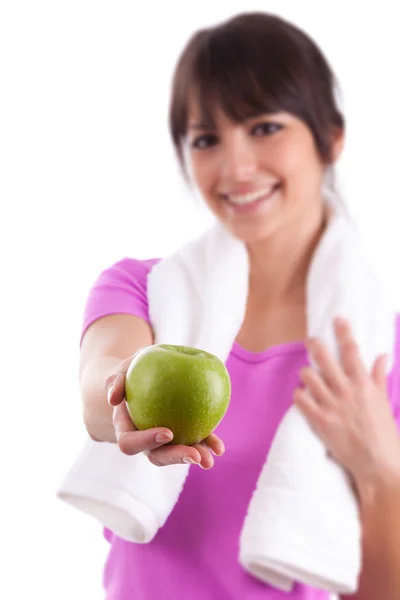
394	377
119	289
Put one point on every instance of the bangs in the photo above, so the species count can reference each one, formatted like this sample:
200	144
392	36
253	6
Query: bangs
239	79
254	64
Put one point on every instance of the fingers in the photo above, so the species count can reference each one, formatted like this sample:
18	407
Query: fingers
352	363
134	442
207	459
174	455
330	369
115	383
190	455
350	367
115	388
335	378
215	444
379	372
121	420
200	454
316	385
152	441
305	401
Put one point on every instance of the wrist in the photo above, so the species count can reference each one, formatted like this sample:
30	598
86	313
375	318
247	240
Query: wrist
99	425
97	413
385	481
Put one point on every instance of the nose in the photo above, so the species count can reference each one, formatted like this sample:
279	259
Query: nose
238	158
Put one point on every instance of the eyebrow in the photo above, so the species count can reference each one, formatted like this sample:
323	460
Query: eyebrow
250	117
198	126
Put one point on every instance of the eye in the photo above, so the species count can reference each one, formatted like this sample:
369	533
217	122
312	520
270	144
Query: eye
266	128
204	141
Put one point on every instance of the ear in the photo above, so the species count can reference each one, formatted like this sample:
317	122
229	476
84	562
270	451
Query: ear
337	143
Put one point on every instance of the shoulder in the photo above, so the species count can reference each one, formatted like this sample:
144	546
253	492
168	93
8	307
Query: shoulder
128	270
120	288
128	274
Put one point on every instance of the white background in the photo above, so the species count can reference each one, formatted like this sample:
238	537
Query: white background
88	176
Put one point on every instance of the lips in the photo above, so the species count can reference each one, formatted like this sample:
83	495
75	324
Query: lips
252	202
247	197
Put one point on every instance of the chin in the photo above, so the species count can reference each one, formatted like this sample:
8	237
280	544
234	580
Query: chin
254	233
251	235
252	224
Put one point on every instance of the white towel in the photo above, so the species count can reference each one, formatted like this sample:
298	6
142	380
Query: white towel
302	523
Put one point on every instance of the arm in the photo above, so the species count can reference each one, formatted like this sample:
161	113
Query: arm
380	516
106	351
106	343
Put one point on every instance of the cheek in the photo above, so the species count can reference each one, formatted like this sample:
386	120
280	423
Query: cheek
297	161
202	173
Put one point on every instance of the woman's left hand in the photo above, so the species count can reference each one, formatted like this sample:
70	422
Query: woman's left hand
349	409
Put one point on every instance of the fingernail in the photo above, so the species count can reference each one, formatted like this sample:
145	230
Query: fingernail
163	437
109	393
189	461
215	453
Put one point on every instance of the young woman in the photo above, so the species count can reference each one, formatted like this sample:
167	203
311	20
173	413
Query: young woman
255	121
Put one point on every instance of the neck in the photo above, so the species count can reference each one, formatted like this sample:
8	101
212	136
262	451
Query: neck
279	264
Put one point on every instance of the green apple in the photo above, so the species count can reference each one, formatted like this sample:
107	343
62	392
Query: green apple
184	389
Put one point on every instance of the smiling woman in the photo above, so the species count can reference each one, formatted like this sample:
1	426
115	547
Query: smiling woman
254	113
255	124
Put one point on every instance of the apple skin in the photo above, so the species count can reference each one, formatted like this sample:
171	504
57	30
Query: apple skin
184	389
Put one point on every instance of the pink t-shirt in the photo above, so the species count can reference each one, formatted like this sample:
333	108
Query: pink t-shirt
195	555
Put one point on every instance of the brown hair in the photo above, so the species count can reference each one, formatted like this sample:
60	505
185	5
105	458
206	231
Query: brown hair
251	64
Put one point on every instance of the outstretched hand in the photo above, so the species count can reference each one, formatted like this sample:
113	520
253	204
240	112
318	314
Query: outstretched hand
152	441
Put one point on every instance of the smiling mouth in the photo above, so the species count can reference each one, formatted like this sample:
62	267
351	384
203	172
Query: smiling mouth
251	201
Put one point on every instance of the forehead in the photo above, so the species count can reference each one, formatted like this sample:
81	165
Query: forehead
199	118
198	121
214	105
210	113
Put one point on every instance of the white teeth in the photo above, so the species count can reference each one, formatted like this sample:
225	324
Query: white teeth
248	198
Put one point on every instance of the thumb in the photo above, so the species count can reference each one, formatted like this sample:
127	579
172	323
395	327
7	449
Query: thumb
115	383
379	371
114	387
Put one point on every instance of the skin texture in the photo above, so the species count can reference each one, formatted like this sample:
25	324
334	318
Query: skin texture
107	350
347	406
264	152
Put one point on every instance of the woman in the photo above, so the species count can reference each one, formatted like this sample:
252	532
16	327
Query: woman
254	120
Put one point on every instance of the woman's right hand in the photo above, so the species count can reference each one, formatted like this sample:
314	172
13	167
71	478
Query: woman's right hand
152	441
